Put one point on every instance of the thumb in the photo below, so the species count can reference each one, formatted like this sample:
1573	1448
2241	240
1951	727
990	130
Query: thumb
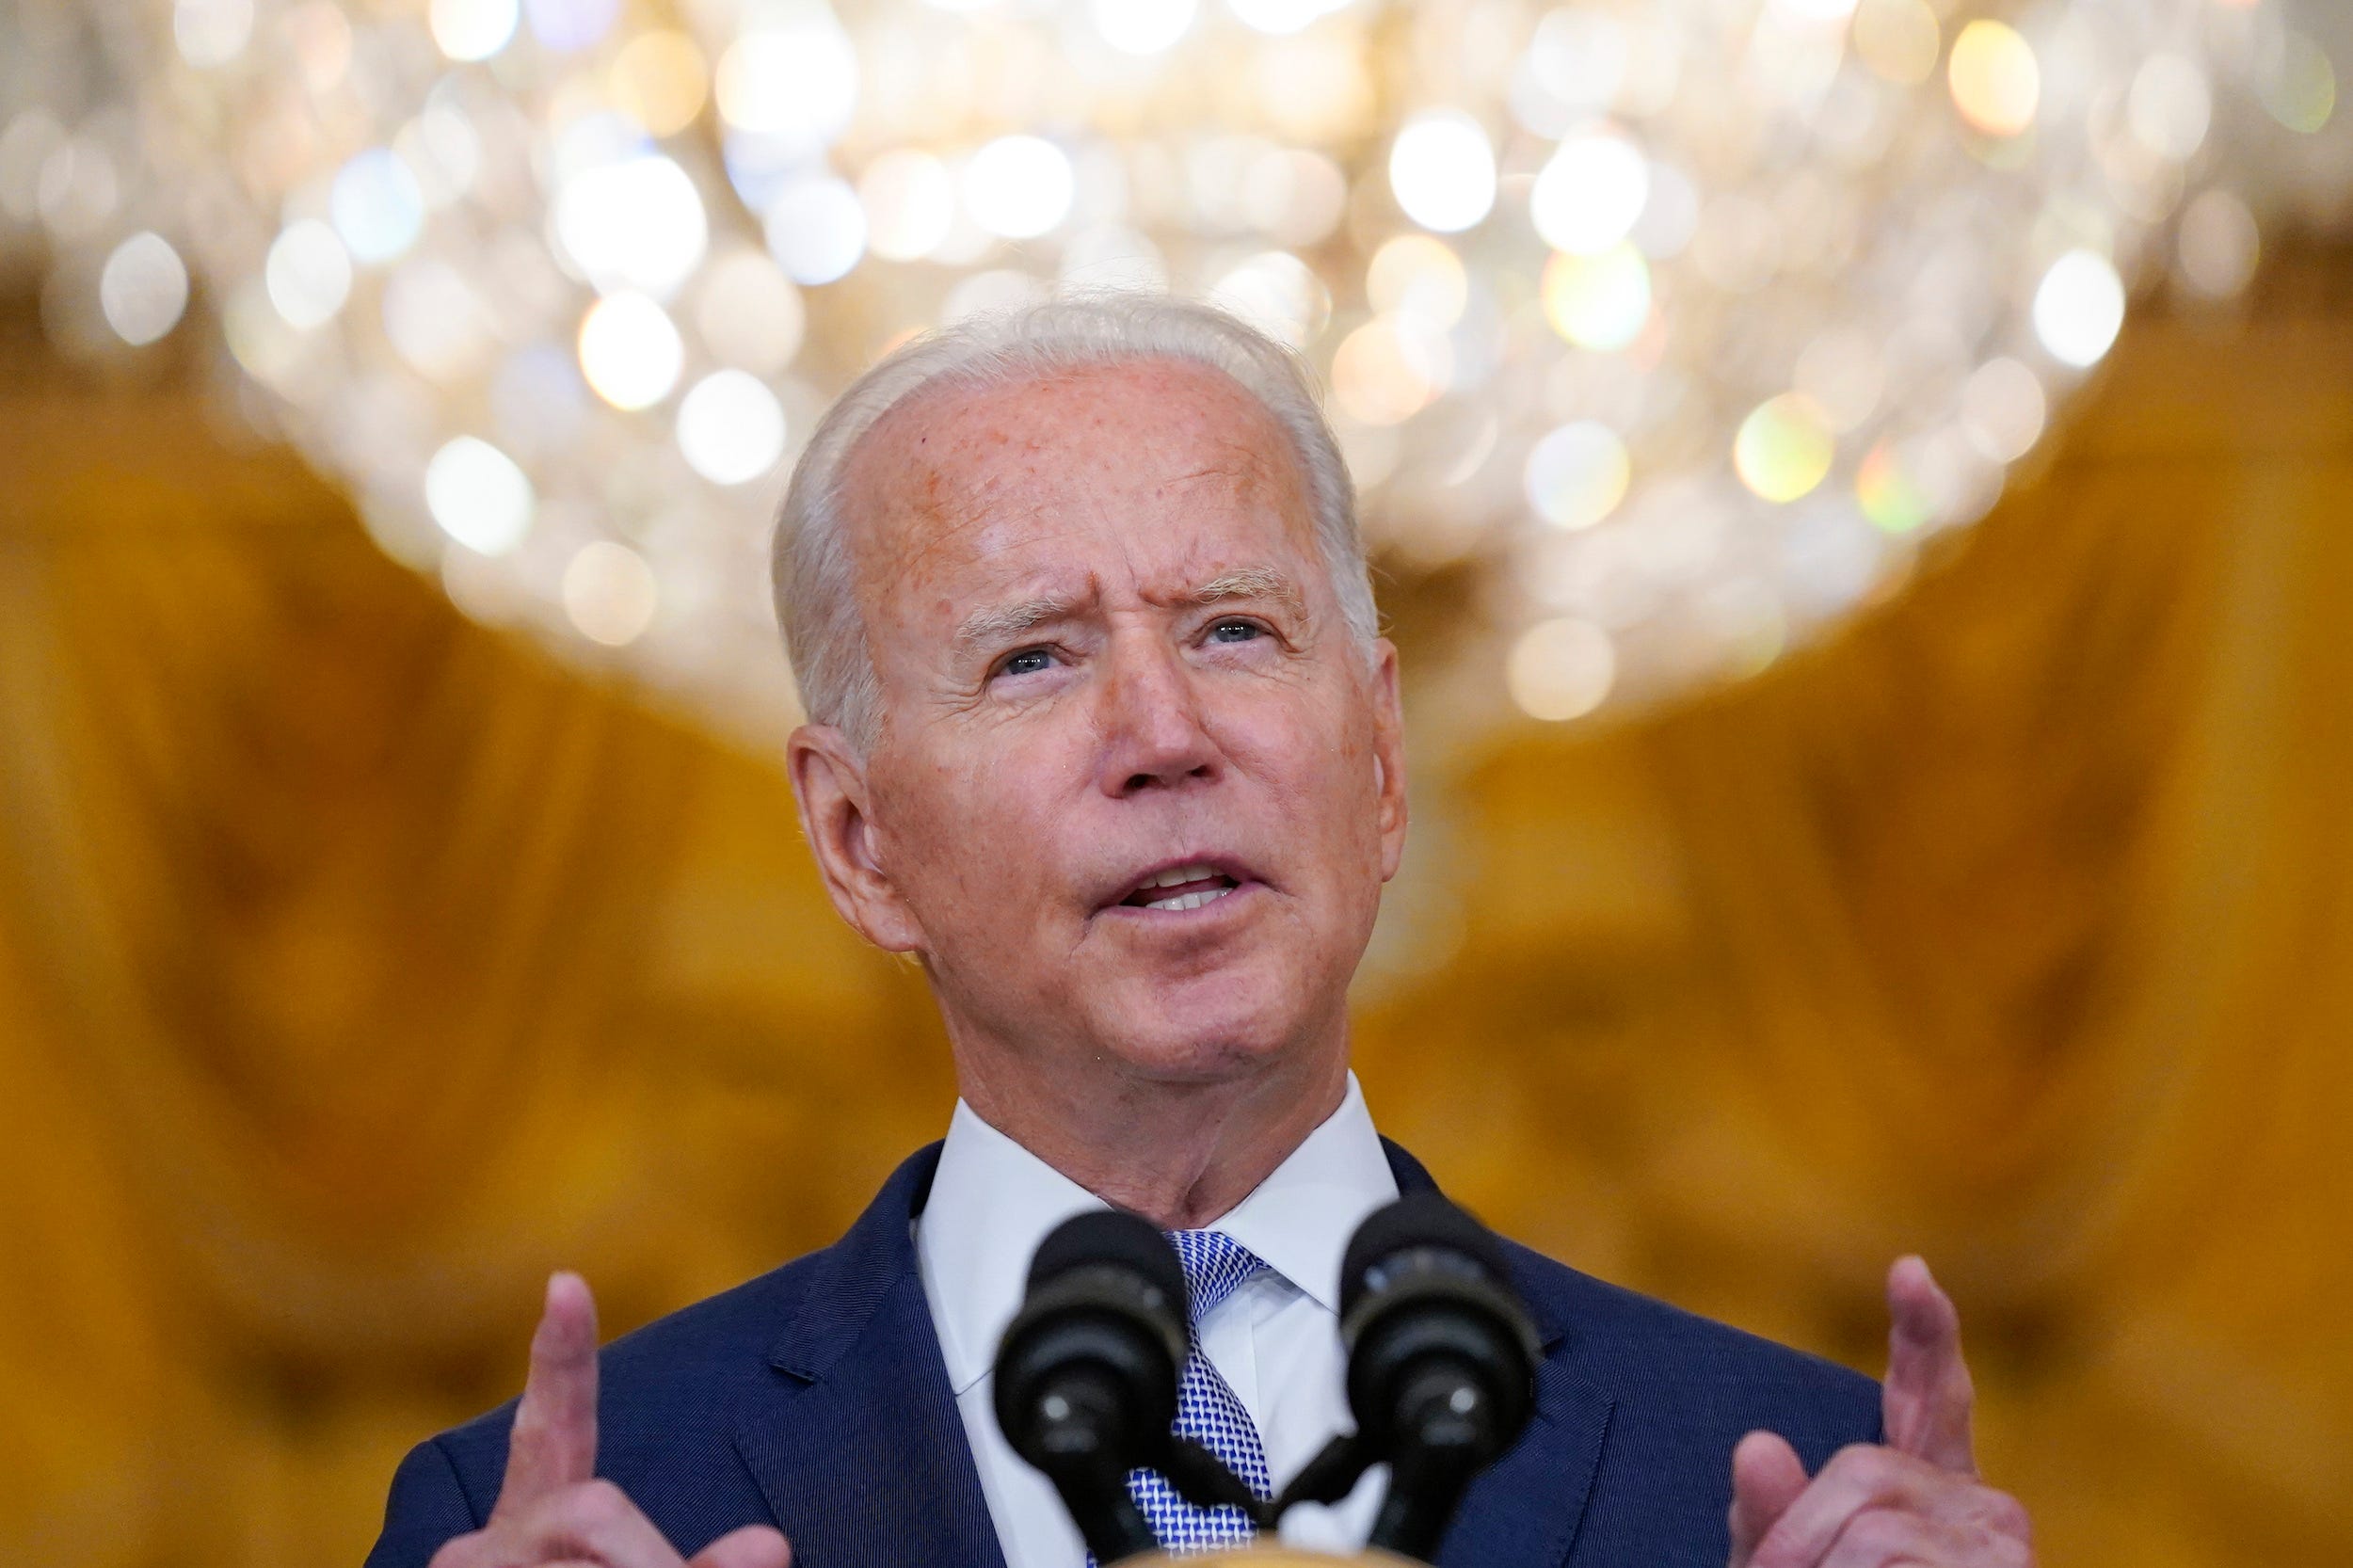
1766	1476
753	1546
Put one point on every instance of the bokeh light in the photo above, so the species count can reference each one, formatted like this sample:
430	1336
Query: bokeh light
2079	309
1589	193
816	230
473	29
1843	373
2170	107
308	273
910	202
610	593
1143	26
1018	187
143	288
566	25
1576	474
479	496
1595	287
749	314
2002	410
1280	17
1784	448
1899	40
1417	276
1599	302
1277	293
2300	90
630	351
211	33
376	206
661	80
1996	82
637	224
435	319
1889	494
1561	669
1443	171
793	80
2217	245
730	427
1389	370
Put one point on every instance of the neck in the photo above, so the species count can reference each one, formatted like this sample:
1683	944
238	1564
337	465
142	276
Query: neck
1180	1153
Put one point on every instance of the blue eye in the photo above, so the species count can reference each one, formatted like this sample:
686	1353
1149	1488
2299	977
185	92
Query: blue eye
1235	632
1030	661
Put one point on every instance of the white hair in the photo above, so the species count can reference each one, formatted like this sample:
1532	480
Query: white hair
812	566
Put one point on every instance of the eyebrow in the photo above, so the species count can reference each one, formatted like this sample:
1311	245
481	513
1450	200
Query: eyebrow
987	628
1251	582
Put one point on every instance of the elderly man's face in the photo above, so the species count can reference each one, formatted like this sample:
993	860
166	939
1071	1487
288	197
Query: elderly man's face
1136	788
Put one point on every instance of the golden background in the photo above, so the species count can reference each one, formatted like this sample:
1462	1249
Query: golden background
357	965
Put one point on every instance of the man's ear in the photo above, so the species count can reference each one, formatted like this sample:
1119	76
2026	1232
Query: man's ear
1388	756
829	785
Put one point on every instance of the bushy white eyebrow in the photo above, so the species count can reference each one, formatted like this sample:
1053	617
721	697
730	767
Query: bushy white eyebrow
1251	582
986	627
990	627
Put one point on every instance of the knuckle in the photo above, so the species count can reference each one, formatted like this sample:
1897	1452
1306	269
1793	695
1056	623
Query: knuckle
2007	1516
1881	1534
601	1502
1860	1464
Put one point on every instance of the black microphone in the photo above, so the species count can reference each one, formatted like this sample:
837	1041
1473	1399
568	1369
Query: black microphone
1086	1380
1441	1361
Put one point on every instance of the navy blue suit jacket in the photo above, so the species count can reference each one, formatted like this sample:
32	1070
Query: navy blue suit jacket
814	1398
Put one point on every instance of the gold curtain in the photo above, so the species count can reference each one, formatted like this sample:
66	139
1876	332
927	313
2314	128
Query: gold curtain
356	965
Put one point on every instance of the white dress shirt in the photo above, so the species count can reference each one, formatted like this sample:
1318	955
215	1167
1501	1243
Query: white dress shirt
1275	1341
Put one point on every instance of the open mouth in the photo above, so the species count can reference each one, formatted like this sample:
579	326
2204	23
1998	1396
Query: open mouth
1180	888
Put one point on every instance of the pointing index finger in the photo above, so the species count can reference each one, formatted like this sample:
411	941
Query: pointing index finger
1925	1400
553	1443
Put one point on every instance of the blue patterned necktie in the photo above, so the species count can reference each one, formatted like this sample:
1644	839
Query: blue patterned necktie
1207	1410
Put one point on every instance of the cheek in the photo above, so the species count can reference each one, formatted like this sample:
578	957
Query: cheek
1319	764
974	835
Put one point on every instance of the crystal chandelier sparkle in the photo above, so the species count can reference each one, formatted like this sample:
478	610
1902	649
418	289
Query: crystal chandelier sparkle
1679	324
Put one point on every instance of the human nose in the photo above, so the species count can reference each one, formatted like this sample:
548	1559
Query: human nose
1151	720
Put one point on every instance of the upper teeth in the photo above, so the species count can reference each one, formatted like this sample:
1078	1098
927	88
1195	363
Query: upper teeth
1189	900
1183	874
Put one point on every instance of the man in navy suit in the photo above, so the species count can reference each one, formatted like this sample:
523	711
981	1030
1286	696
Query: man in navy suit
1103	732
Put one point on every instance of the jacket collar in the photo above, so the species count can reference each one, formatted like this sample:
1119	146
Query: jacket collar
1525	1508
855	1439
853	1436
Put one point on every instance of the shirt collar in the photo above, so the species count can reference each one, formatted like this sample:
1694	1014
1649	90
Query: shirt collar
993	1200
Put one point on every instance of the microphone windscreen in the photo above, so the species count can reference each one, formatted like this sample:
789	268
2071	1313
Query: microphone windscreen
1110	1236
1417	1220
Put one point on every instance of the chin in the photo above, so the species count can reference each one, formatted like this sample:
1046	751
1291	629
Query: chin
1209	1028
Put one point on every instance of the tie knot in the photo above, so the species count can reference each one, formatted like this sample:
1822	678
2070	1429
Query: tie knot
1215	1265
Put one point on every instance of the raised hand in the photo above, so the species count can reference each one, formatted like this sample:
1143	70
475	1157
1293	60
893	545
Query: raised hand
1917	1498
551	1506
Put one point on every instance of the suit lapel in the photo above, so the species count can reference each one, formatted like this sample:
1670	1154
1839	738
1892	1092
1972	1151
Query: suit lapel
1524	1510
853	1437
852	1431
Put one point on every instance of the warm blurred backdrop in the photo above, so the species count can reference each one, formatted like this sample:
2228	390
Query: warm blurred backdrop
359	965
399	896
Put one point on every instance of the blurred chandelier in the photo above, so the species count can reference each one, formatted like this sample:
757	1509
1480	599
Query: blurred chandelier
1675	324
